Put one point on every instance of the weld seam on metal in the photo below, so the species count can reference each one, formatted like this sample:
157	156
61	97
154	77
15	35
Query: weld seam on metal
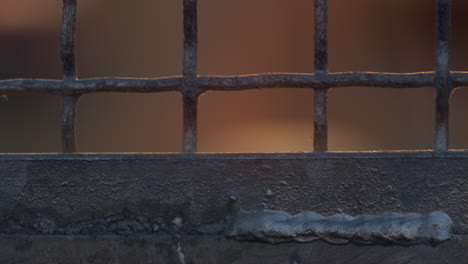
273	227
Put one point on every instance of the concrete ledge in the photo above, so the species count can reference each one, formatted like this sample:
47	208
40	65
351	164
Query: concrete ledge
223	156
44	193
176	197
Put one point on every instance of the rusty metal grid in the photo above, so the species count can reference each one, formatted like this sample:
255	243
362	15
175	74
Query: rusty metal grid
191	85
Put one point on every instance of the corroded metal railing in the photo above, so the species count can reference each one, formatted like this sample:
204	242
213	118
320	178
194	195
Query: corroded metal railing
191	85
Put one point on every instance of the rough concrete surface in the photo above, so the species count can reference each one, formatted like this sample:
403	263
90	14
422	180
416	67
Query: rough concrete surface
88	200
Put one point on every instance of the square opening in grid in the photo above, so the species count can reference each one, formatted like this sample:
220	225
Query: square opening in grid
141	38
115	122
255	36
30	39
374	118
459	38
269	120
30	123
458	127
385	36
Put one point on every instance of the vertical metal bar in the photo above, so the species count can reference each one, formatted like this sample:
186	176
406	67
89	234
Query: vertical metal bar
442	81
189	86
321	122
68	39
321	67
321	35
190	123
68	123
69	75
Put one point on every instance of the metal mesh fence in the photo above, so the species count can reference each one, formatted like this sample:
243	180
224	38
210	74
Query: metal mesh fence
191	85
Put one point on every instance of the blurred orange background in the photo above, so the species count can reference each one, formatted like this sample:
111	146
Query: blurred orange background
143	38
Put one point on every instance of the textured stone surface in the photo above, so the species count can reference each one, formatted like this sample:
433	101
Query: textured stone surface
401	229
179	196
87	190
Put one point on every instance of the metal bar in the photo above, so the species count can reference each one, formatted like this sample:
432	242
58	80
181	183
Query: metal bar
459	79
228	83
90	85
189	87
69	75
321	68
321	35
68	39
335	80
442	81
320	120
190	123
68	123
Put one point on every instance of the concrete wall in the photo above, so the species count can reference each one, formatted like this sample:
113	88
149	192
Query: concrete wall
156	208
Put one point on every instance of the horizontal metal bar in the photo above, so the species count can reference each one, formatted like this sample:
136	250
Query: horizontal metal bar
89	85
318	80
228	83
459	78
